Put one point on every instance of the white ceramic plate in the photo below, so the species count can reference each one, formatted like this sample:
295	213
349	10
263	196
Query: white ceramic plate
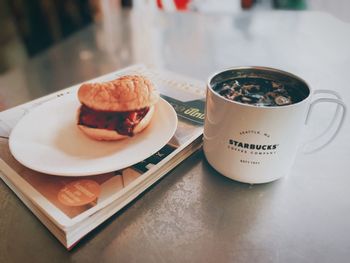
48	140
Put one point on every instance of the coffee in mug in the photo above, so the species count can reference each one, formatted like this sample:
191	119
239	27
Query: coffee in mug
260	91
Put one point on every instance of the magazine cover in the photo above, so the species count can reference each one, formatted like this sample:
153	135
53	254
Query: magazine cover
67	201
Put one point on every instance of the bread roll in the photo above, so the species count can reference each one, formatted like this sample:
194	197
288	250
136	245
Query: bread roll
126	93
117	100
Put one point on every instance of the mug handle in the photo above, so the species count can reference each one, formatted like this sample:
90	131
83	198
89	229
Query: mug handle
340	105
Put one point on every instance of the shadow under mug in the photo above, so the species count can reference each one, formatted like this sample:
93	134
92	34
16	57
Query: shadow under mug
258	144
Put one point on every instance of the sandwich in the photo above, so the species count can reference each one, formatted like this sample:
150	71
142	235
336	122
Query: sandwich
117	109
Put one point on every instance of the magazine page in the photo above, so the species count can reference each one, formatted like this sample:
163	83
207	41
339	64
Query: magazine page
69	200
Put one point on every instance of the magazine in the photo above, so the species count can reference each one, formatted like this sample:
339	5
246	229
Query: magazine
70	207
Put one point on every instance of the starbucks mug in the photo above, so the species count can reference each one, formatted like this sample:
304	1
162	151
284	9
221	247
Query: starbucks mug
258	144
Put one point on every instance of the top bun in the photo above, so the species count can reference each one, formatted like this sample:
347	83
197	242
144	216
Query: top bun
126	93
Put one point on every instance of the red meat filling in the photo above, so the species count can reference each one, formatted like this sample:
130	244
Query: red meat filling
122	122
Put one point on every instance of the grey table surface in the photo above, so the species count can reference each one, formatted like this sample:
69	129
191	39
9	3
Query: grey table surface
194	214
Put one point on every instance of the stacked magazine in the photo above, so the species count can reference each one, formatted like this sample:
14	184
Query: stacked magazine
70	207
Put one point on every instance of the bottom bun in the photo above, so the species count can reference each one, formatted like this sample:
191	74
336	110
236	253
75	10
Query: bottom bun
109	135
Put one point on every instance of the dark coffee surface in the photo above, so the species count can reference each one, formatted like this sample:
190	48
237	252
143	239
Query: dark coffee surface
259	92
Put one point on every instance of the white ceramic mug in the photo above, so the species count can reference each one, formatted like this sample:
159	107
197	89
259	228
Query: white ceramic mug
258	144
